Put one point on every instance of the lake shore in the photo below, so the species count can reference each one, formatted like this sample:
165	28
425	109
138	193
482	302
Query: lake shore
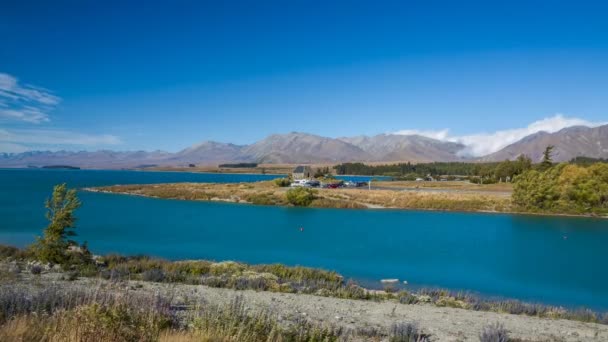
439	323
383	195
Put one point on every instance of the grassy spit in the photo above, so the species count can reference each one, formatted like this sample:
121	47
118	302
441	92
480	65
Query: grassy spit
267	193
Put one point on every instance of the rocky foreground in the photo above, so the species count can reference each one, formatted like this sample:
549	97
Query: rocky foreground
441	323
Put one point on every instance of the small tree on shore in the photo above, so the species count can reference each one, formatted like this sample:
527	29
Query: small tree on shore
54	246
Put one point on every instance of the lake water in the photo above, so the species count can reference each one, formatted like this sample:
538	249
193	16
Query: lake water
540	259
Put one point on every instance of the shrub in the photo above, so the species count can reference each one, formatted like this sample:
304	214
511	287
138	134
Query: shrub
155	275
282	182
301	197
261	199
36	269
70	275
494	333
9	252
407	298
406	332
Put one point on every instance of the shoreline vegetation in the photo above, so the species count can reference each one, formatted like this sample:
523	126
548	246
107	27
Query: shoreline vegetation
406	195
117	290
267	193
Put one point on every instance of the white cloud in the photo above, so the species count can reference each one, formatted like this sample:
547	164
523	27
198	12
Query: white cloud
31	115
28	139
439	135
12	148
23	102
481	144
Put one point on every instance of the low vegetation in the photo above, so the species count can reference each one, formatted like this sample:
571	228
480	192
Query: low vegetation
300	197
494	333
268	193
285	279
564	189
56	314
282	182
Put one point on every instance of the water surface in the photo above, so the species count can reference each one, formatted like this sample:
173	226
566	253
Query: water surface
552	260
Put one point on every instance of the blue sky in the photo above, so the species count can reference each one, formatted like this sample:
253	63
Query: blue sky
119	75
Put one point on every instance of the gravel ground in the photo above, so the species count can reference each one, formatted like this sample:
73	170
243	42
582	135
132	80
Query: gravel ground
444	324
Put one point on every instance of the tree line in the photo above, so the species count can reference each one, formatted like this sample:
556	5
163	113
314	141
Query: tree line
490	172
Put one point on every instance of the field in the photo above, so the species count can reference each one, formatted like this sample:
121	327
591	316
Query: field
504	188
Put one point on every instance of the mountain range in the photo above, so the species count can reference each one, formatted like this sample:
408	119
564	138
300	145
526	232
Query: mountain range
306	148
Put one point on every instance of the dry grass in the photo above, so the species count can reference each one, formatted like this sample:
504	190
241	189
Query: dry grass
423	200
258	193
95	318
450	185
267	193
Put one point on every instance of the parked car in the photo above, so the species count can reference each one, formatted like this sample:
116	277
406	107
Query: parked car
306	183
300	183
349	184
314	183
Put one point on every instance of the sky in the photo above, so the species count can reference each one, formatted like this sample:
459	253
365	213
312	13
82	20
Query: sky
88	75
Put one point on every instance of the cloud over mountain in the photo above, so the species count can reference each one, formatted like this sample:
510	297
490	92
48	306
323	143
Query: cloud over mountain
481	144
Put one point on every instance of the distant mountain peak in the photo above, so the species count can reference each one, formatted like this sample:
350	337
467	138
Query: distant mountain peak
299	147
569	142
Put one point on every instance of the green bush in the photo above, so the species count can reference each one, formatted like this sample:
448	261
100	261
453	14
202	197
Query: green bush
301	197
282	182
564	188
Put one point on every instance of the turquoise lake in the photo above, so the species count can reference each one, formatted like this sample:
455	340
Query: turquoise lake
550	260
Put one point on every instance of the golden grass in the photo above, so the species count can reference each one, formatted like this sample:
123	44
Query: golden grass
449	185
424	200
267	193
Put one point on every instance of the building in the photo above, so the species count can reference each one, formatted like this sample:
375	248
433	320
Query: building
302	172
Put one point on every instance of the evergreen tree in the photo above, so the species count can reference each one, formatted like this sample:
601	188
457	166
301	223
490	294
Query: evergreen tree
547	158
53	247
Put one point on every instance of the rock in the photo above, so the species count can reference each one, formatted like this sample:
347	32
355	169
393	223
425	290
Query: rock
424	299
389	281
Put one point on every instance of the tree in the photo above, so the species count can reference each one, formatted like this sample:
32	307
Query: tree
524	163
564	188
282	182
547	158
54	246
